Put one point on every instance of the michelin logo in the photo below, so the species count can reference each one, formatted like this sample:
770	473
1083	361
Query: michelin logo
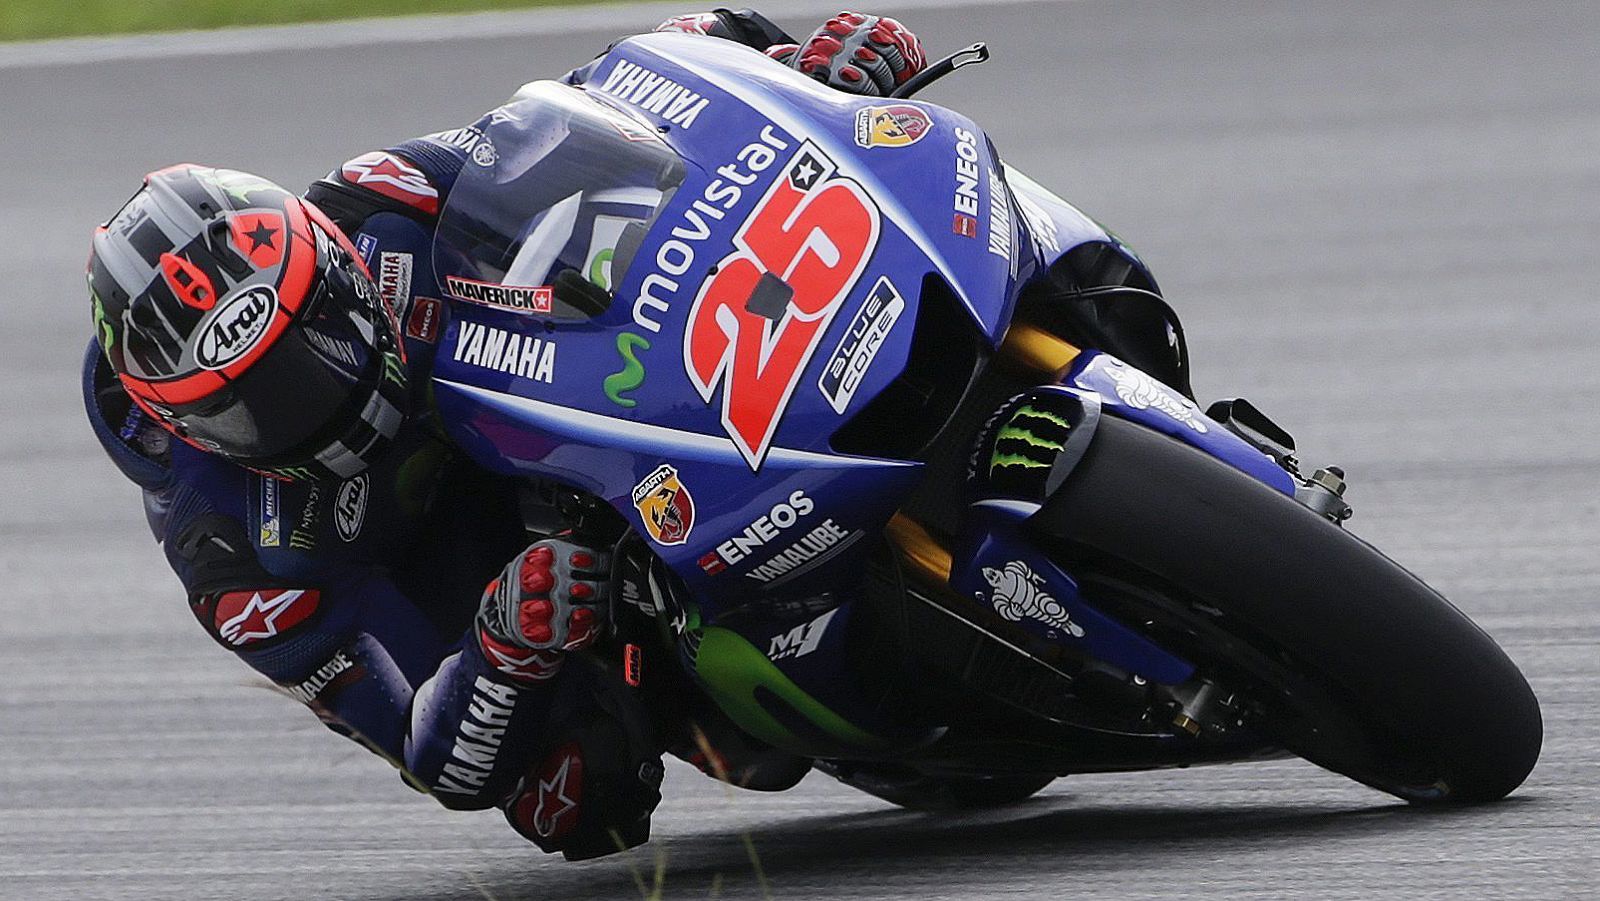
271	520
1018	592
1142	392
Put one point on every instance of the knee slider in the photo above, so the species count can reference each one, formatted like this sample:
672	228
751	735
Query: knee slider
596	780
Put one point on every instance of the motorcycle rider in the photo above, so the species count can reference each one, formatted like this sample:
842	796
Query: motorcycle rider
323	527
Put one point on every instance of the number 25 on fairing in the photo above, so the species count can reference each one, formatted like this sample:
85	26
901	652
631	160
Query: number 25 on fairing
758	320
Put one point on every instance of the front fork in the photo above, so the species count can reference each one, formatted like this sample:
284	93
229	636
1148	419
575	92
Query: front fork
1025	452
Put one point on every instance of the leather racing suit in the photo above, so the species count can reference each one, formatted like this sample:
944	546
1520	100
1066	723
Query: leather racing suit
357	597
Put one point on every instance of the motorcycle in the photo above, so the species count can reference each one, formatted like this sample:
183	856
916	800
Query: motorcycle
900	458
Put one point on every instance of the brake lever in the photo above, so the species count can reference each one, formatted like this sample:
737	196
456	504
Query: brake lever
977	53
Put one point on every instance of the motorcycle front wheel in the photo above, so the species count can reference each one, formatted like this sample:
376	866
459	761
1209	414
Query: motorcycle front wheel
1354	663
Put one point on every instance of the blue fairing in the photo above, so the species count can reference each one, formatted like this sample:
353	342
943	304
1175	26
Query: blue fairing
741	124
912	184
702	402
993	540
1130	394
1057	226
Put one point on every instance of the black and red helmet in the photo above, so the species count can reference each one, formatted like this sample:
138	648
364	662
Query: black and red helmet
241	318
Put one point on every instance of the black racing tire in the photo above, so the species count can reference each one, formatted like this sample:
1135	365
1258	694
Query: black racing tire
1374	674
918	791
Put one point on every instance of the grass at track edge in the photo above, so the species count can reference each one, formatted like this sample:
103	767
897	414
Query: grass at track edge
27	20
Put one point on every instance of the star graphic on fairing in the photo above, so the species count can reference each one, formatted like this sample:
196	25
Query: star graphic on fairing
259	617
804	174
550	793
261	236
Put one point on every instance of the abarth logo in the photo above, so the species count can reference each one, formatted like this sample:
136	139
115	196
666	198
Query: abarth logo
898	125
665	505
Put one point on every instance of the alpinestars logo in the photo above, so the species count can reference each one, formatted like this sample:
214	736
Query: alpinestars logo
560	790
522	663
246	617
758	320
1018	592
393	177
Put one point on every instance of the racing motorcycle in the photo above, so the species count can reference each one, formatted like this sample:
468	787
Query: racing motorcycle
825	367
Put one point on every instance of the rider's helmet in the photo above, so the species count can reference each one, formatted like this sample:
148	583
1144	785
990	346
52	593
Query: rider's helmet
241	319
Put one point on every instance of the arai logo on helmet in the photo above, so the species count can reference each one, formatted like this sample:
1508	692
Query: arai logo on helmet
350	507
236	326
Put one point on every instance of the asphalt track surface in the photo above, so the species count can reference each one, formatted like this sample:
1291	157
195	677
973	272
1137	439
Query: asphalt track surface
1380	221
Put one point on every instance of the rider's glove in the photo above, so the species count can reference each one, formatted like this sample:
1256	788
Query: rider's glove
693	23
549	599
857	53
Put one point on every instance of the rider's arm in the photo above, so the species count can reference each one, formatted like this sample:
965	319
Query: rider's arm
342	639
742	26
339	637
409	180
853	52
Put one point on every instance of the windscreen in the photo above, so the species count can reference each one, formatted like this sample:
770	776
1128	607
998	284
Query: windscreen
559	191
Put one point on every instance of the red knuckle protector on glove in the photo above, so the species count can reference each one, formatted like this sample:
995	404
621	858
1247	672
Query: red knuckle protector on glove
548	600
860	54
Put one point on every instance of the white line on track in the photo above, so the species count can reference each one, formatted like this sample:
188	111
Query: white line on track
624	18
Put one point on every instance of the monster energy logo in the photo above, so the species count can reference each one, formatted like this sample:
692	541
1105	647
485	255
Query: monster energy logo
1031	439
393	370
304	536
240	185
102	327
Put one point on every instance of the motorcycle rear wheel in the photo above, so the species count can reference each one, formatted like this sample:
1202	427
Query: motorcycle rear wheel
1367	671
